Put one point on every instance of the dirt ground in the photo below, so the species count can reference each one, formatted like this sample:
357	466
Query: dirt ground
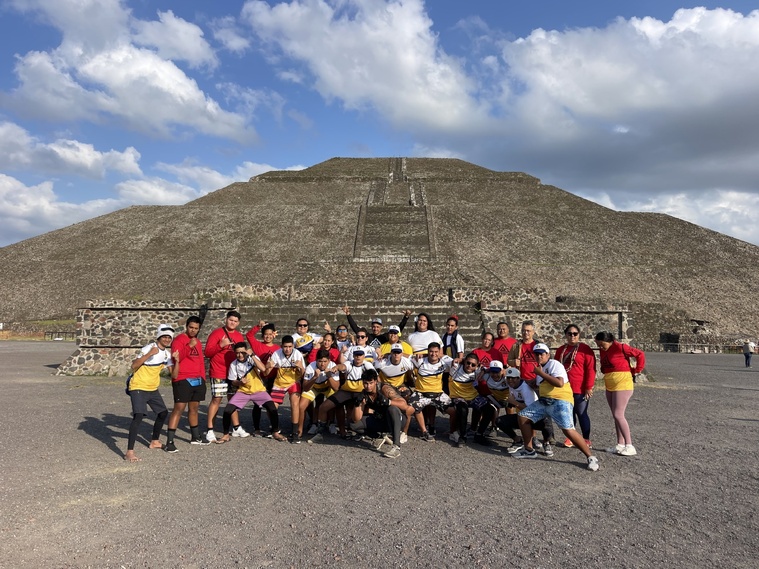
689	499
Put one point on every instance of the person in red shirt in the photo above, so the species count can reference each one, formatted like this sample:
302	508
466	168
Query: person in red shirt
579	360
329	343
219	349
190	384
521	355
486	352
619	376
503	343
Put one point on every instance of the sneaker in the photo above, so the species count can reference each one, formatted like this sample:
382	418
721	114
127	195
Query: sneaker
312	430
592	463
482	440
537	445
428	437
277	436
404	438
628	450
295	439
211	437
317	438
515	447
615	450
567	443
488	431
171	447
377	443
526	453
393	452
461	443
201	442
547	449
333	429
240	432
454	437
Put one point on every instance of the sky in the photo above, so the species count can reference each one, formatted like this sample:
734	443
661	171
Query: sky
637	105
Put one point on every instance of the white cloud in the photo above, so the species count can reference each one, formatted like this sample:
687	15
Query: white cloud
727	211
155	191
227	33
373	54
98	74
19	150
175	39
30	210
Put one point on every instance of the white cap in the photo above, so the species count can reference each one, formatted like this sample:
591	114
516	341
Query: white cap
396	348
495	364
541	349
512	372
164	330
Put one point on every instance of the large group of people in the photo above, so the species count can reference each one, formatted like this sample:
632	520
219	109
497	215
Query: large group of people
370	385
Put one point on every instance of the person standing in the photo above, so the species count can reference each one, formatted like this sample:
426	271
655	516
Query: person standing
579	360
219	350
503	342
142	388
619	379
521	355
749	348
189	387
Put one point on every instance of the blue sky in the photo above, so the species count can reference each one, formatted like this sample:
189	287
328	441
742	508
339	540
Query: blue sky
645	106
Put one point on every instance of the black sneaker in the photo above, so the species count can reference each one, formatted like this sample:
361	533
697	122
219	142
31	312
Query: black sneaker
515	447
295	439
199	441
171	447
428	437
318	437
526	453
482	440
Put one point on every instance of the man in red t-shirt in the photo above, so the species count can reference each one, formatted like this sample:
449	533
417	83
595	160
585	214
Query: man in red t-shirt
219	349
503	342
521	355
486	353
190	384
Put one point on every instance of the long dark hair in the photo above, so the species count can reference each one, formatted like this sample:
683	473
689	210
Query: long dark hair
604	337
429	322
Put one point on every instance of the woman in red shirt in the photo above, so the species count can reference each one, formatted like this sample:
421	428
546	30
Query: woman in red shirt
580	362
618	377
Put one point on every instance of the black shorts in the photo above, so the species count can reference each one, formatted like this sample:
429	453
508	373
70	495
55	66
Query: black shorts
184	391
347	397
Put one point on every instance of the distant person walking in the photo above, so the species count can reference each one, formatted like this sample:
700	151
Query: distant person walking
749	348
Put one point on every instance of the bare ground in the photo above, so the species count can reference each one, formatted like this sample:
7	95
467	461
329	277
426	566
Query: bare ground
689	499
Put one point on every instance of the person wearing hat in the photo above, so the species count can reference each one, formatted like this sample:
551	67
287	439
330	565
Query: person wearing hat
376	337
520	396
142	387
349	396
555	400
394	337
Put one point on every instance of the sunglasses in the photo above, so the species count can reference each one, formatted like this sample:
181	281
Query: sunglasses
362	336
241	353
302	325
573	333
473	364
342	329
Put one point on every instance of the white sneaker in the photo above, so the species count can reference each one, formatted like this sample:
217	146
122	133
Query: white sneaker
628	450
240	432
312	430
333	429
211	437
592	463
616	449
454	437
404	438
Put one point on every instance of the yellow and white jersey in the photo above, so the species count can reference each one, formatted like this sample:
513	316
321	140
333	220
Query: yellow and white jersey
428	377
246	370
462	385
394	374
322	377
385	348
497	385
288	371
148	376
353	375
545	389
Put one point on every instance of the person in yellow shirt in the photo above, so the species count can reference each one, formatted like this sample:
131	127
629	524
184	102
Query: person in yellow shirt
142	387
555	400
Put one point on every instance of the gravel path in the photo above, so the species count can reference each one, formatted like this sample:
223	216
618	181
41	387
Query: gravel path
689	499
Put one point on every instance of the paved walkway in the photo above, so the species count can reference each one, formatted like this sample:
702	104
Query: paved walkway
689	499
